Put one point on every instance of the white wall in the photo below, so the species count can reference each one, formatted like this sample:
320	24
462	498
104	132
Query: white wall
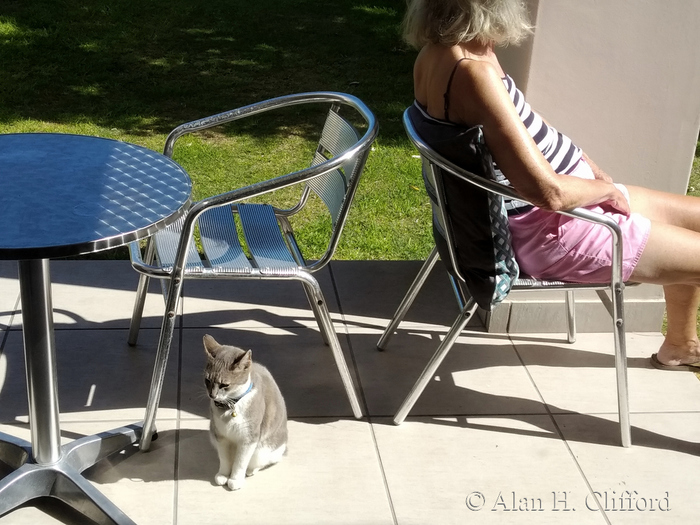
622	79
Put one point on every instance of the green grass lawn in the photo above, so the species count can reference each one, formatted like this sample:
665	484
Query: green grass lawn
133	70
694	183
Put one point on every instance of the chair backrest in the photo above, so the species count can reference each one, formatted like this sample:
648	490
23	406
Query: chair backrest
337	137
337	187
470	223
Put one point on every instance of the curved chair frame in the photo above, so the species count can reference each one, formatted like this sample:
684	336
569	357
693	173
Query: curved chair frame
185	262
614	305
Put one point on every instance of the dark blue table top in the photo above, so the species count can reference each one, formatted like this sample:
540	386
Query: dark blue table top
63	195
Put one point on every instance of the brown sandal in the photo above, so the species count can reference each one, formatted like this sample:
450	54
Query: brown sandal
695	367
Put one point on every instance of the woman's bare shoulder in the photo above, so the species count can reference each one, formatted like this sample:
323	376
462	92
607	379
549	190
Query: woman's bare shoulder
478	74
438	67
477	92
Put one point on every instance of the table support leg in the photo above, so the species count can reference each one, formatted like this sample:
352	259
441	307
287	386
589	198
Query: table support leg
63	480
40	359
44	468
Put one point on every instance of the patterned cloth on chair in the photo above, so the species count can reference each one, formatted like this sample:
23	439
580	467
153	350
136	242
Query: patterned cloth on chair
478	219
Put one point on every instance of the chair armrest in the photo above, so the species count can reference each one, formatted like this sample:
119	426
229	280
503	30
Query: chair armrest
578	213
141	266
276	183
281	181
268	105
509	191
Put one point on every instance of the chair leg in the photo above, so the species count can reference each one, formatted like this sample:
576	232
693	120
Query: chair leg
459	295
330	335
141	291
314	308
408	299
159	367
435	361
570	316
621	364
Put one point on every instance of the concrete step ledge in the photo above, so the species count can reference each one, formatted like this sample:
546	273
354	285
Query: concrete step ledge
545	312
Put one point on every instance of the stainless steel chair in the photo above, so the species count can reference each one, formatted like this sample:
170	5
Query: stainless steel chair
272	251
435	166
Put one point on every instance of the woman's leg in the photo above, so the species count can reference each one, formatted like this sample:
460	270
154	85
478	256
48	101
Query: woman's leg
681	346
672	258
669	208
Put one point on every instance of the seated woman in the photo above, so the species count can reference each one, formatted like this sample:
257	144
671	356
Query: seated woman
459	81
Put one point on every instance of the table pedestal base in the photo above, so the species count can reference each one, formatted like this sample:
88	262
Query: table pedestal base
63	480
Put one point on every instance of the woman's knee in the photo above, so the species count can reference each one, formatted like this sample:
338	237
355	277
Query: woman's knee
671	256
669	208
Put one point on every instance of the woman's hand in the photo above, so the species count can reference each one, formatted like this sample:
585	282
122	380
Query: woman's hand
617	202
597	172
575	192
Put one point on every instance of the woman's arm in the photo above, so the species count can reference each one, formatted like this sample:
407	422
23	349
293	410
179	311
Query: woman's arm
478	96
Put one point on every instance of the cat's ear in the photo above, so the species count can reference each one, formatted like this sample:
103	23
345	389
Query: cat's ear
211	346
246	361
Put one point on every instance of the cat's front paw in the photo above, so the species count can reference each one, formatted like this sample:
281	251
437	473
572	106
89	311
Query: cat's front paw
220	480
235	484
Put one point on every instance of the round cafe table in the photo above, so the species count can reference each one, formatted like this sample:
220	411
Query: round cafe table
64	195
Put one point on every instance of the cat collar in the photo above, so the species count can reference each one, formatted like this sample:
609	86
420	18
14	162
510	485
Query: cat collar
232	402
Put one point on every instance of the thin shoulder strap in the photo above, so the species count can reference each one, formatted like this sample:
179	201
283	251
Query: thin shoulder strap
447	91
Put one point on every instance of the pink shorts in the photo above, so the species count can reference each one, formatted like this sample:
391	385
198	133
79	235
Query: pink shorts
552	246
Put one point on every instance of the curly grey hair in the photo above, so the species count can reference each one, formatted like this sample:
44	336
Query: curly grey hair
450	22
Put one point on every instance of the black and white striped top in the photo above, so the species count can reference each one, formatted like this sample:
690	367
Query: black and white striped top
560	152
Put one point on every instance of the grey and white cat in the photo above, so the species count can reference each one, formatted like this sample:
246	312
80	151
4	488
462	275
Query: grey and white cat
248	415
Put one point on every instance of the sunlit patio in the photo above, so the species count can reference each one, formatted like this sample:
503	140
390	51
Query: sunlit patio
518	428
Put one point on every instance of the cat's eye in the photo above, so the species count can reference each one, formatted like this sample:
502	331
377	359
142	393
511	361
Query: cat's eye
207	382
223	385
